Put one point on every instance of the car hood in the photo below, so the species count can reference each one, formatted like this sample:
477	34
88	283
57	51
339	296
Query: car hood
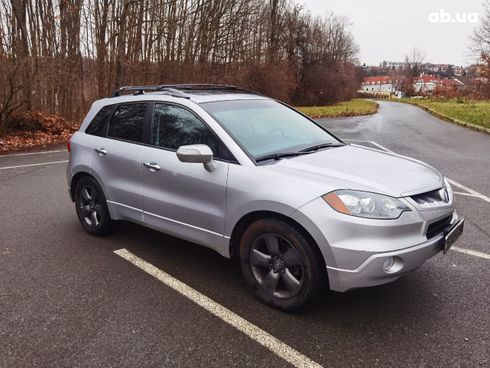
352	167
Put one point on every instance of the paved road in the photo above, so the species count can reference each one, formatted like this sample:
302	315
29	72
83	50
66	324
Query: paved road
67	300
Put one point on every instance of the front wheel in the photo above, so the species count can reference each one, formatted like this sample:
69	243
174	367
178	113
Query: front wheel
279	264
91	207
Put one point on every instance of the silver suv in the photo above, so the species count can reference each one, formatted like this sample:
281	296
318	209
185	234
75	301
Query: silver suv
252	178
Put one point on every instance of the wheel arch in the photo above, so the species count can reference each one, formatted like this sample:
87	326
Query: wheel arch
251	217
76	178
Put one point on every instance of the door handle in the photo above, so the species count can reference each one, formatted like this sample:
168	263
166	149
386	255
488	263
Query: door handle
152	166
101	151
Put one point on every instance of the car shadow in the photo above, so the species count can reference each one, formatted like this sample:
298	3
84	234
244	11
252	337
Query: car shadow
395	315
220	279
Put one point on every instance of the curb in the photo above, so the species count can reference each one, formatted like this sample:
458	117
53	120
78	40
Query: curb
450	119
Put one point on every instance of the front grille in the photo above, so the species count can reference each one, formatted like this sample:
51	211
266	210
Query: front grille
436	227
429	198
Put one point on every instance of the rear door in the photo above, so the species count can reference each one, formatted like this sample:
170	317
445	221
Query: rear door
117	160
184	199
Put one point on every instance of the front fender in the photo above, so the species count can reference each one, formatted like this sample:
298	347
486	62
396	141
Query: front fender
234	217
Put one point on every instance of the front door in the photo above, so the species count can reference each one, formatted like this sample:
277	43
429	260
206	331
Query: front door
184	199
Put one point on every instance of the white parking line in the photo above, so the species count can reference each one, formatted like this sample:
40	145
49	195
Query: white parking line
30	165
380	146
279	348
372	142
471	252
32	153
474	193
465	194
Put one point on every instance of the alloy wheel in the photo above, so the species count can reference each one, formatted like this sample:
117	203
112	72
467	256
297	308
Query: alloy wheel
90	206
276	265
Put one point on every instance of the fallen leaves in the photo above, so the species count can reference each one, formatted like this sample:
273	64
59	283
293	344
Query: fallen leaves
35	129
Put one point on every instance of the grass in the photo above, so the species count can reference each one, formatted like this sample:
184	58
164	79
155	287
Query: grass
348	108
460	111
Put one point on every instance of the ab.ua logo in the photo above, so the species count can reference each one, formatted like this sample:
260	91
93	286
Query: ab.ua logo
443	16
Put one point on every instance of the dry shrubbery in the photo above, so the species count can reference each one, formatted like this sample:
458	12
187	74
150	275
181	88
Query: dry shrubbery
35	121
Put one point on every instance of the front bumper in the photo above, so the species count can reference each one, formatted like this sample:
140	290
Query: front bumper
374	270
363	252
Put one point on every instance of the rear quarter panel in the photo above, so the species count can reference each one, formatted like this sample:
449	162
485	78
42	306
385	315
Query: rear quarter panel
80	156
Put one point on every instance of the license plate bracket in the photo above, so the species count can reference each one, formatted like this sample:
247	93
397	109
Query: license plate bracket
453	235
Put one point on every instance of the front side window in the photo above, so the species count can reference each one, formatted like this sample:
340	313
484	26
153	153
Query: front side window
127	122
174	126
264	127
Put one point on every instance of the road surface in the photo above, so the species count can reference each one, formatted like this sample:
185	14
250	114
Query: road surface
66	299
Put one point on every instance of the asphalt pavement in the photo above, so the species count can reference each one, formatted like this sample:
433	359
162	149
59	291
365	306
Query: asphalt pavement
67	300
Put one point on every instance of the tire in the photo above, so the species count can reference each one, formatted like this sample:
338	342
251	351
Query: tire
91	207
279	264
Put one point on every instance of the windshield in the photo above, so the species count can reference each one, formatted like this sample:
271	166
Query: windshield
265	127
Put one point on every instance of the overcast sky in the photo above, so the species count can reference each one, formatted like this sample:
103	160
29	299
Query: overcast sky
387	29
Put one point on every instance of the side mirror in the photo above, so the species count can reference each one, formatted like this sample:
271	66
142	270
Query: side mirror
197	153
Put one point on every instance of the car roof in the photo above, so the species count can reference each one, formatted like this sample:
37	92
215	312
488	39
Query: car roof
213	97
198	93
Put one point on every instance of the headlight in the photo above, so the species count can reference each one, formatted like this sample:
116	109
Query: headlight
365	204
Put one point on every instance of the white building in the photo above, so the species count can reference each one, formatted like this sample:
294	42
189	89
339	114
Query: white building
429	83
397	65
382	84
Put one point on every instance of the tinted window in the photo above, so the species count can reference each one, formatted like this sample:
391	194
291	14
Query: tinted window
127	122
174	126
96	127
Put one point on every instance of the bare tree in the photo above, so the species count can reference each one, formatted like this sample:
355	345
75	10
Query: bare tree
70	52
10	87
20	47
481	36
481	50
411	71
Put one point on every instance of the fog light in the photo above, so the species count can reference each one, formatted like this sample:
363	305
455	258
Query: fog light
388	264
392	264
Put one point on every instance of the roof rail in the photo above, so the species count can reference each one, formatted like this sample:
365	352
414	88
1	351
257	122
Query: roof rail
211	87
203	86
177	90
140	90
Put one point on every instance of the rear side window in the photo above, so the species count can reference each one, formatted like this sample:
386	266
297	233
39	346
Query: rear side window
127	122
97	124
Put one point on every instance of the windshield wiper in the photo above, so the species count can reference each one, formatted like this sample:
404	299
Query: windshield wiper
279	155
320	146
305	151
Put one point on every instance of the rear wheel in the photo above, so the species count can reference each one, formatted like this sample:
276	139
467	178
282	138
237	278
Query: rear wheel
91	207
279	264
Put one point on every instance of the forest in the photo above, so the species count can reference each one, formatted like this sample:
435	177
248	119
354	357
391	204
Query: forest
58	56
